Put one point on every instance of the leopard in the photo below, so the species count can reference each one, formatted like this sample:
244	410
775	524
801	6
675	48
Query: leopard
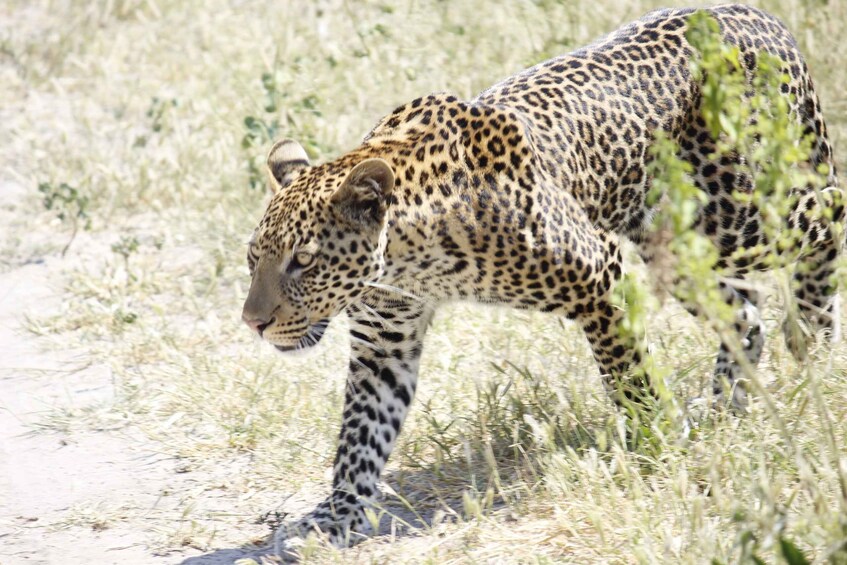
521	197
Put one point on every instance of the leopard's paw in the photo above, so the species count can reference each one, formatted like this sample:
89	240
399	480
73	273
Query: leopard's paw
340	519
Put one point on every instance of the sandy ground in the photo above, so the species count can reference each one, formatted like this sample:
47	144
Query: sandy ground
99	496
80	497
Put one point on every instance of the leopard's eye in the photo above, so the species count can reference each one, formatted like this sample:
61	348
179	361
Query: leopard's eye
301	260
252	257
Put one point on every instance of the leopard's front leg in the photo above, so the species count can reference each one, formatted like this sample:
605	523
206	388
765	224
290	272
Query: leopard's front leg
386	335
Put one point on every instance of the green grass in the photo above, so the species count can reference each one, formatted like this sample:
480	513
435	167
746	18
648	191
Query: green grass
512	449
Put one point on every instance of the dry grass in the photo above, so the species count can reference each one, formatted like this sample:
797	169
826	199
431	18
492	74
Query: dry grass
512	451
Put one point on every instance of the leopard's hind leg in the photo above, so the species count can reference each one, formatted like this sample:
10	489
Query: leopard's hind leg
817	302
728	383
819	215
732	225
747	337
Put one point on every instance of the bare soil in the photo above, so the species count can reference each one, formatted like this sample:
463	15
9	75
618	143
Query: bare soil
73	496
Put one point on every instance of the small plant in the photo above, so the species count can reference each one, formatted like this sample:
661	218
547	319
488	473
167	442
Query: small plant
267	127
748	115
158	114
158	111
747	111
69	204
262	130
125	247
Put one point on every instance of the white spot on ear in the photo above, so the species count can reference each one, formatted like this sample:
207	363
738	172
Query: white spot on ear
286	160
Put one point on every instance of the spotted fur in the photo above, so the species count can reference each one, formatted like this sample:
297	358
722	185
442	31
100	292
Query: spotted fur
518	197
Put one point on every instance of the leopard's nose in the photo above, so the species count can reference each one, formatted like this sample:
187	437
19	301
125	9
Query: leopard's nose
257	324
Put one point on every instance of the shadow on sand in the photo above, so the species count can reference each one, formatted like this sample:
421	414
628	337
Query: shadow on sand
427	498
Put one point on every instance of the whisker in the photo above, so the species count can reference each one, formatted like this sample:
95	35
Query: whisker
354	359
387	324
394	289
366	343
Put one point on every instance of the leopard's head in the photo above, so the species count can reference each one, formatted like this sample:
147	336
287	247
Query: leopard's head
319	246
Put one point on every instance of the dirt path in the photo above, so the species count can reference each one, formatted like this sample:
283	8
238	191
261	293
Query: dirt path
44	478
76	492
79	497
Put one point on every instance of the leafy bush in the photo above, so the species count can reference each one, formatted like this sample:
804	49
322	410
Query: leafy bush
69	204
753	125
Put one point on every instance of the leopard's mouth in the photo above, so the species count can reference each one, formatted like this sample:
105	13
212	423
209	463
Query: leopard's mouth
311	338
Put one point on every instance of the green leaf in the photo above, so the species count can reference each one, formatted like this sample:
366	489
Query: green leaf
792	553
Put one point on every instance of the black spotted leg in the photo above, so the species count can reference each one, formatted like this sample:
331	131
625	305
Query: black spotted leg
749	331
386	334
814	288
617	355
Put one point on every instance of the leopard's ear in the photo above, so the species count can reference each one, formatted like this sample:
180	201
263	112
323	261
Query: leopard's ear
362	197
286	160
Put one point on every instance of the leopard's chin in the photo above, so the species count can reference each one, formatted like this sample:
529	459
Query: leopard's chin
311	338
